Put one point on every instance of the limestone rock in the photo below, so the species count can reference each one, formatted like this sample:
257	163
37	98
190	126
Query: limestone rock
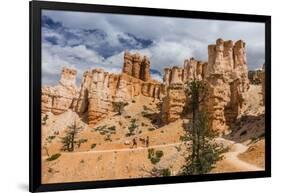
227	82
58	99
173	103
99	89
137	66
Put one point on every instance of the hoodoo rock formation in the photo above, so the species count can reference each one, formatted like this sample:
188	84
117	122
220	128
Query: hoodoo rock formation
175	78
173	103
225	74
99	89
137	66
59	98
227	80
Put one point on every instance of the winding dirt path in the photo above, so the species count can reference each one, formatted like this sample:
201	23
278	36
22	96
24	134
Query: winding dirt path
126	149
232	158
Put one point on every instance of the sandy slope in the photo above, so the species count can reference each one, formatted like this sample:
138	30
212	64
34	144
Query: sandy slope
109	164
114	159
231	161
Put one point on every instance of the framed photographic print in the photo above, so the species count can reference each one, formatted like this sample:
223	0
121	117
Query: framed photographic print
125	96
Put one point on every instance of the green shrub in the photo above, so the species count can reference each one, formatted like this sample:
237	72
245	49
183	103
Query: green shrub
160	172
119	107
93	146
54	157
45	118
132	127
146	108
159	153
80	141
155	156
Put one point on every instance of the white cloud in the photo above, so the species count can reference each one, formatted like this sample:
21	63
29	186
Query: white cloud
175	39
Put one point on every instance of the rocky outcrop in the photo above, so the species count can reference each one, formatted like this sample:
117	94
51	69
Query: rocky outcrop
255	76
226	77
227	82
225	74
192	69
137	66
175	78
173	103
59	98
100	89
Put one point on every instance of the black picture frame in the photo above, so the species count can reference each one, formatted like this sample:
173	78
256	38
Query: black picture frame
35	184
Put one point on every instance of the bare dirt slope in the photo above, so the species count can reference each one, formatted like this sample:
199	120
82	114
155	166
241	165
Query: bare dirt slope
108	153
114	158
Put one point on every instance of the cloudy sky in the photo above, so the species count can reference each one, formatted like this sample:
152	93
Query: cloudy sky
92	40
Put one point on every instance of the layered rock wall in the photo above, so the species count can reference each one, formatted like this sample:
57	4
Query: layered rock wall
173	103
137	66
61	97
227	82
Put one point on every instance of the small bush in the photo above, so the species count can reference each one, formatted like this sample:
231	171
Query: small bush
155	156
146	108
80	141
93	146
151	129
119	107
133	101
155	172
159	153
45	118
54	157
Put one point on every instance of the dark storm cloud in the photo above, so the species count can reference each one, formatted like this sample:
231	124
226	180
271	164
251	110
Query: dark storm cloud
90	40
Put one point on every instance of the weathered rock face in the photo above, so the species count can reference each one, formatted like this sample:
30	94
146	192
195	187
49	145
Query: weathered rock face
255	76
227	82
59	98
100	89
175	78
192	69
173	103
225	74
137	66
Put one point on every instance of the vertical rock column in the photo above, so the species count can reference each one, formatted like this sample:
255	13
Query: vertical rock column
99	104
145	69
136	65
128	65
227	81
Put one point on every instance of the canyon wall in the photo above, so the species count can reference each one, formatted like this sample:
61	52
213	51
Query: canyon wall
175	79
225	74
99	89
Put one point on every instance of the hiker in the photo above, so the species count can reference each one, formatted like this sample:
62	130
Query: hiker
134	143
147	141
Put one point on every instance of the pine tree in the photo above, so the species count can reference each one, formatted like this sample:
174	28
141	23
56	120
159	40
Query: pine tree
119	107
70	138
204	151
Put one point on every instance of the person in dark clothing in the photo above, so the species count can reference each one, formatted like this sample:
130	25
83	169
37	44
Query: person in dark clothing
134	143
147	141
